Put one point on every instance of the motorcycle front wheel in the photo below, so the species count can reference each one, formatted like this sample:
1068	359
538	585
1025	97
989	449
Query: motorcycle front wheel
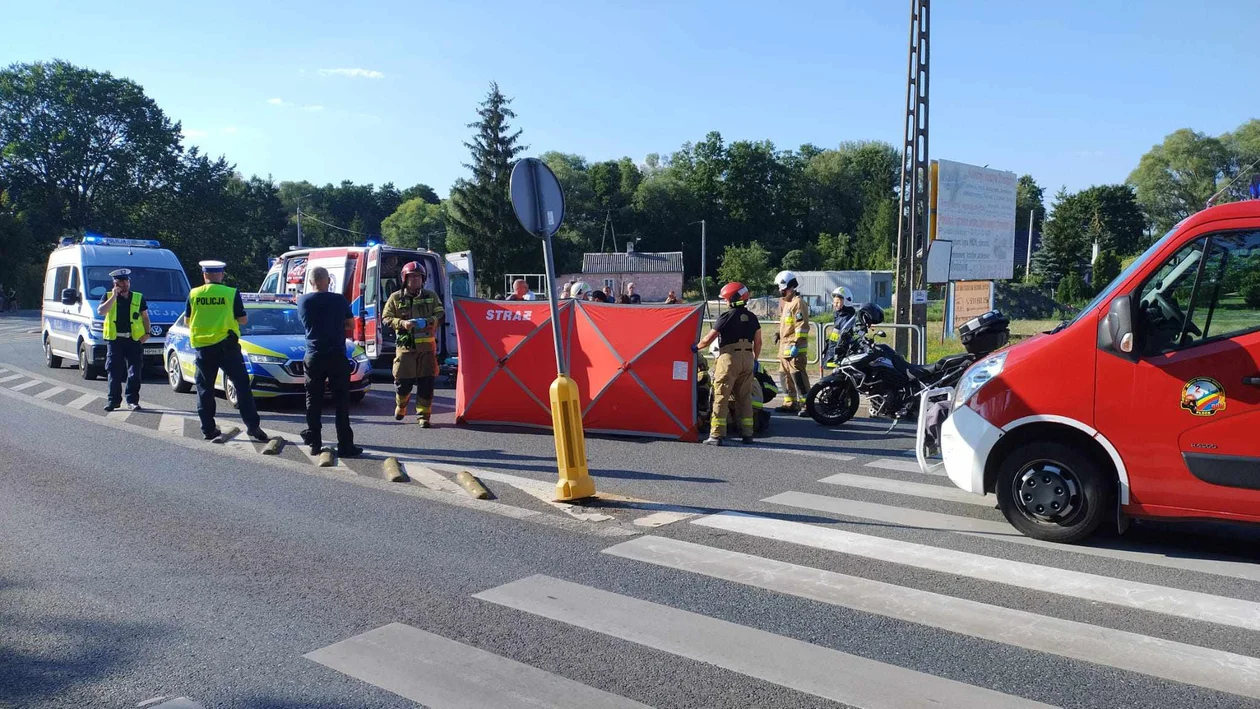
831	402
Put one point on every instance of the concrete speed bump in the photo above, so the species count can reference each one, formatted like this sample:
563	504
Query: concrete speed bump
393	471
274	446
472	485
325	458
227	434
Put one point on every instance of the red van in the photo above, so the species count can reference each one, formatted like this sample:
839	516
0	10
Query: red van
1145	405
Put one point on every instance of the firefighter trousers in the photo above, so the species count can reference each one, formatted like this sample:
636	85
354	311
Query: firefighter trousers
795	379
415	368
732	389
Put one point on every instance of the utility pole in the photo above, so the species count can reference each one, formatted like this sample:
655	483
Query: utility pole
1032	214
704	293
299	218
915	176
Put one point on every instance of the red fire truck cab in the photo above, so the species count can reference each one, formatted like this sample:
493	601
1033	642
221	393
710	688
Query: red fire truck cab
1146	404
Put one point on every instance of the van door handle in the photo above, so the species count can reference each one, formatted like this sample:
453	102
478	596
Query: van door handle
1252	381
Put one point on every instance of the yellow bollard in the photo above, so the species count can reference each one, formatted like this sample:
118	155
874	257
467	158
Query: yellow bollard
566	421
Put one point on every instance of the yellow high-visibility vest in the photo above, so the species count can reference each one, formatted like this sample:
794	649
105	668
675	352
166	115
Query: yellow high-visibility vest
111	325
212	315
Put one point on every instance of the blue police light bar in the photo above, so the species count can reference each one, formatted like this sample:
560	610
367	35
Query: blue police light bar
99	240
267	298
373	242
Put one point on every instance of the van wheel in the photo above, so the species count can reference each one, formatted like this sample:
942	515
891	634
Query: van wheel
230	393
175	375
51	360
86	370
1050	491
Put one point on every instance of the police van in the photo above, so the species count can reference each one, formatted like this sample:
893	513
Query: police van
78	278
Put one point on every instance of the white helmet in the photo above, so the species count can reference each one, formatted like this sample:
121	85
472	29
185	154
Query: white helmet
843	294
579	290
785	280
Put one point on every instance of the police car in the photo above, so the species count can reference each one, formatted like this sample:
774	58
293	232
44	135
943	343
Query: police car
273	343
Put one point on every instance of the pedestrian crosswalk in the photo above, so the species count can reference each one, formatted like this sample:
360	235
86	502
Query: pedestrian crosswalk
752	553
13	329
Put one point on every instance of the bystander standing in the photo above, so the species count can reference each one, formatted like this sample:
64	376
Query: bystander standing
328	321
634	297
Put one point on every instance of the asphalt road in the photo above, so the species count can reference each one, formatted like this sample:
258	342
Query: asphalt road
140	565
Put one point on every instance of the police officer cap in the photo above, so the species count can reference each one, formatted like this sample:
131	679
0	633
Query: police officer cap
121	274
212	266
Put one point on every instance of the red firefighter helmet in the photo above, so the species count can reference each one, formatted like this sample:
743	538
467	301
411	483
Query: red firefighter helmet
735	293
410	268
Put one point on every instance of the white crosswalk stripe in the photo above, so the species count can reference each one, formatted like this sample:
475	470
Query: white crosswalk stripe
445	674
903	466
1004	532
10	378
784	661
931	492
27	385
50	393
1166	659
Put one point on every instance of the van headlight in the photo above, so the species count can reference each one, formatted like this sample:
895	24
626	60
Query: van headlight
266	359
981	373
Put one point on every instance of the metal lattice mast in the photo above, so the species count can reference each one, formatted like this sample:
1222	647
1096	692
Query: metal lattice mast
912	230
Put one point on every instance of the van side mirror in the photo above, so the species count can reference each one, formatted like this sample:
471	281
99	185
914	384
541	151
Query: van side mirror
1117	332
69	296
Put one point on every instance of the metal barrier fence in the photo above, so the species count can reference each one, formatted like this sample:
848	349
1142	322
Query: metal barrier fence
814	351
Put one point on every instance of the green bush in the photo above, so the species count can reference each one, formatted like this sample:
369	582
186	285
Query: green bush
1251	290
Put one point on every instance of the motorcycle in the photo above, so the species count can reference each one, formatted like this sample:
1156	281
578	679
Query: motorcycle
892	385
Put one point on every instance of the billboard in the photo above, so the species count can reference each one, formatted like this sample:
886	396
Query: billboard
975	213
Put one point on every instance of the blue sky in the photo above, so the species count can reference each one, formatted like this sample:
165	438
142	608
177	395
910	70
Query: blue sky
1072	92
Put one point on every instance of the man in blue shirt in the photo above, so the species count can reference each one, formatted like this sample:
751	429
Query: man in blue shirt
328	321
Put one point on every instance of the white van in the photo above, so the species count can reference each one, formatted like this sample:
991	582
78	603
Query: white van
78	278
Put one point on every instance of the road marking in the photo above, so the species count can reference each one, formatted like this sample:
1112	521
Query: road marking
428	477
179	703
1166	659
26	385
660	519
445	674
787	662
172	423
50	393
82	401
931	492
10	378
1002	531
1063	582
545	492
903	466
118	415
808	454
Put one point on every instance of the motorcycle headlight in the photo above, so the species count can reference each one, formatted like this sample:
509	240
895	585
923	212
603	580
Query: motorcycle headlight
361	358
266	359
980	374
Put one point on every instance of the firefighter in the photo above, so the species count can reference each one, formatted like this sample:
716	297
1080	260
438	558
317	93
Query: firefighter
793	339
738	333
414	313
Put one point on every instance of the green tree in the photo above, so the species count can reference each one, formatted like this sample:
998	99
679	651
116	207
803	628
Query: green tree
806	259
79	148
749	264
416	224
835	252
1175	178
480	210
1106	268
421	191
1064	244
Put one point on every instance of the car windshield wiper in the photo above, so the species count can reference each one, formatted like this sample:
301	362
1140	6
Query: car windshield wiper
1062	324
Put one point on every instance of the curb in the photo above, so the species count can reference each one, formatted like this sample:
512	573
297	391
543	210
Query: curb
325	458
393	471
227	434
472	485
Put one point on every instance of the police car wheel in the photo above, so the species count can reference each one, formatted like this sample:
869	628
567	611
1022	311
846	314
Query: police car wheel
86	370
51	360
1054	492
229	392
175	375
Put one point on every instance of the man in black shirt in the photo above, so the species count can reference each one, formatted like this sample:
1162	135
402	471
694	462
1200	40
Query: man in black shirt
738	333
328	320
125	330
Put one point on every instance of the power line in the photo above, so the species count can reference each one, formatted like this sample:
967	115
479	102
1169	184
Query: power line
334	226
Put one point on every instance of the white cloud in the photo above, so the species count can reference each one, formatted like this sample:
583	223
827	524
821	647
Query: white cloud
192	134
278	102
312	108
353	73
229	129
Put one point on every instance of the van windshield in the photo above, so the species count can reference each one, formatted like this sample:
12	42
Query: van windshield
156	284
1105	293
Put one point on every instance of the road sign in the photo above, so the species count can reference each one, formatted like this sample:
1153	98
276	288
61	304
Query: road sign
538	201
968	299
537	197
975	209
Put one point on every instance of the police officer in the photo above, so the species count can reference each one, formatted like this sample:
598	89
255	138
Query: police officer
738	333
215	314
842	309
414	313
126	329
793	339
